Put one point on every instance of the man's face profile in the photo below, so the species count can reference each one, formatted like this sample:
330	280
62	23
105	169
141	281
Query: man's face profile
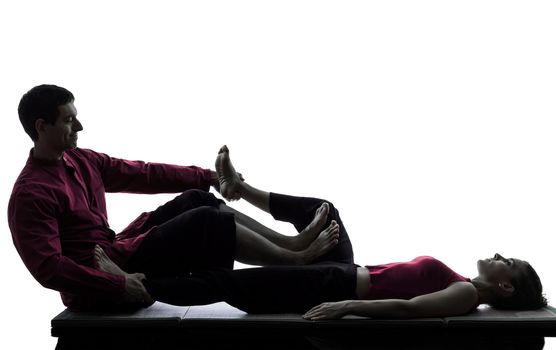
63	134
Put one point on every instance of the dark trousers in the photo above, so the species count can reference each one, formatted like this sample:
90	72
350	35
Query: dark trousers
300	211
188	259
191	234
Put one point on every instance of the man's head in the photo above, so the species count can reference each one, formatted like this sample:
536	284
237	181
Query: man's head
515	284
48	116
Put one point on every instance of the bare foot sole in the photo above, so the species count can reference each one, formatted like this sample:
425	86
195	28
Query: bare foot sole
307	236
325	241
104	263
228	178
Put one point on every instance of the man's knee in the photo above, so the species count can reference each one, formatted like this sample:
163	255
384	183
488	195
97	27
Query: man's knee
198	198
204	213
211	216
218	236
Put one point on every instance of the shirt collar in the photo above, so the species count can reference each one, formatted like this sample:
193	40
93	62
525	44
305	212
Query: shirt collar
45	162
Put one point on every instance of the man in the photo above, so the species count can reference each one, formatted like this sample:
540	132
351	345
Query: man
57	216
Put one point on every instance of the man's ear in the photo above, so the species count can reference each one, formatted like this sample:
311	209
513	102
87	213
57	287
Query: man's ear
506	287
40	125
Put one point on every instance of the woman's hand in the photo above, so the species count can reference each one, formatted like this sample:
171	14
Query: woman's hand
327	311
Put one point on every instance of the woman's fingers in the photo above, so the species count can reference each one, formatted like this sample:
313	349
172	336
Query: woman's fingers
326	311
314	312
318	318
310	312
317	315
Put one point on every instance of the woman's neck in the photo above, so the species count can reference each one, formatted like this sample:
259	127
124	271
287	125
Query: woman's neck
483	289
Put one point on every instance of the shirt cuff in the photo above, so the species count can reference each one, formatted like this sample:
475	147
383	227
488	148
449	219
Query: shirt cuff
206	178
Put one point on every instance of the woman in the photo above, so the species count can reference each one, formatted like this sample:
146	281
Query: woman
332	286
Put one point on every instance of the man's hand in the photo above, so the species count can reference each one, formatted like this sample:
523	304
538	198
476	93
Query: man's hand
214	182
135	291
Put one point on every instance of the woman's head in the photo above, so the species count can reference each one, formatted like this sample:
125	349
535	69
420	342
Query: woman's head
515	284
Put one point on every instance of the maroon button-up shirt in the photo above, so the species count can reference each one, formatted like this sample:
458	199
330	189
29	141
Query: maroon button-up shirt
57	213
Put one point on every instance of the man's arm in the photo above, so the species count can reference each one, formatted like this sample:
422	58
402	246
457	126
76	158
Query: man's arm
120	175
457	299
35	235
214	180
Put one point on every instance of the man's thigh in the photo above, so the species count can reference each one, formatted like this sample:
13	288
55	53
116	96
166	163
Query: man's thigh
186	201
196	239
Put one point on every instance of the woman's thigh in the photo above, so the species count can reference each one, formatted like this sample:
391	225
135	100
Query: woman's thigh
290	289
300	211
199	288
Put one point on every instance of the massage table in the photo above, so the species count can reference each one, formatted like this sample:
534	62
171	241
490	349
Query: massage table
220	325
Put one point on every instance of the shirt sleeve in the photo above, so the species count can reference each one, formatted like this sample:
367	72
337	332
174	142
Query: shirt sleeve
34	227
119	175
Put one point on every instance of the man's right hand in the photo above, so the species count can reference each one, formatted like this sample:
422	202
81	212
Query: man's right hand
135	291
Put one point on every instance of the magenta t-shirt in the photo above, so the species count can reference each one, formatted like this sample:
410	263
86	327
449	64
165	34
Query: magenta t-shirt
406	280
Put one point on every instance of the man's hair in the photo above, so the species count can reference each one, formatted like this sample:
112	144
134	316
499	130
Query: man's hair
41	102
527	293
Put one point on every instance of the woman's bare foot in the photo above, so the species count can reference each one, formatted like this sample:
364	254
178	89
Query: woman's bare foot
228	178
325	241
104	263
308	234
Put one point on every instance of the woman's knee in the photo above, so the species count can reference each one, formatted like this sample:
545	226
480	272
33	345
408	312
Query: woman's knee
333	213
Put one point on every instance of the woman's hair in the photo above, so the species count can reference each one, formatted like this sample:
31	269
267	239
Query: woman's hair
41	102
527	293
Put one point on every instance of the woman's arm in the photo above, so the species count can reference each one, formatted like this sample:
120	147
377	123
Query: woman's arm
459	298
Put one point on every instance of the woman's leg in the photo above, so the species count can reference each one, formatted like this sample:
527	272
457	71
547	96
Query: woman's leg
294	243
290	289
192	199
300	211
269	290
275	289
254	249
205	238
198	288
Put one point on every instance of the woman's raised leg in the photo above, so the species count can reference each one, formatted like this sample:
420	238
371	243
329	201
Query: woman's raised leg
307	214
252	248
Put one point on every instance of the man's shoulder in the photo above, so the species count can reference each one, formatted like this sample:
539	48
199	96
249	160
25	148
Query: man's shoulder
33	183
80	152
85	155
36	179
27	192
30	176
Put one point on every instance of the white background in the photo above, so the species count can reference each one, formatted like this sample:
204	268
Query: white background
430	124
